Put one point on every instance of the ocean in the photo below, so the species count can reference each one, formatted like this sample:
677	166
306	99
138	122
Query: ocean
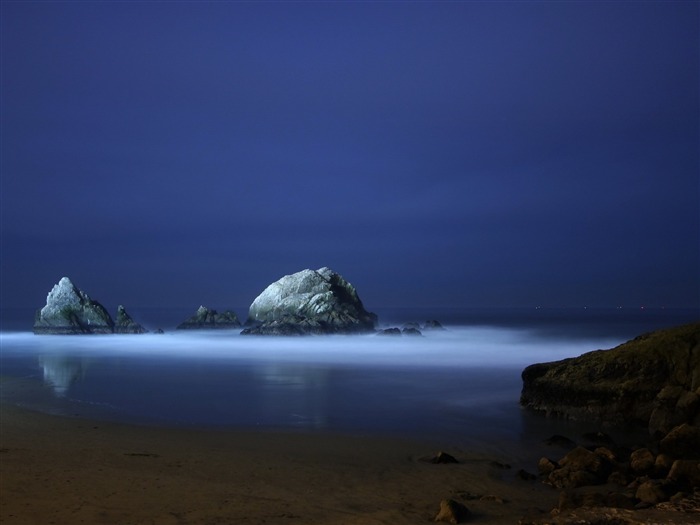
461	384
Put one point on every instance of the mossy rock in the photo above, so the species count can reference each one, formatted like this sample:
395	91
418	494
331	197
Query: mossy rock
619	385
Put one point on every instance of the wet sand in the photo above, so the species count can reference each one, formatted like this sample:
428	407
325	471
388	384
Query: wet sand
57	469
67	470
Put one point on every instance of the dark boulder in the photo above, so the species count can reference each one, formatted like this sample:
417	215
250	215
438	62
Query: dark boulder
443	458
452	511
125	323
207	319
69	310
626	384
579	468
642	461
309	302
683	442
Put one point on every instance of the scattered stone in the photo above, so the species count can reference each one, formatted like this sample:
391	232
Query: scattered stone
689	504
642	461
452	511
498	464
582	459
125	323
579	468
545	466
606	454
69	310
652	492
309	302
207	319
682	442
662	465
443	458
686	471
618	478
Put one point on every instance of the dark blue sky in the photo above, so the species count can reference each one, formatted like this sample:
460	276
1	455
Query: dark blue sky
437	154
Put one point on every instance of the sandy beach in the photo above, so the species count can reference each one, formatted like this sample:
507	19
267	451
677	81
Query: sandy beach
58	469
65	470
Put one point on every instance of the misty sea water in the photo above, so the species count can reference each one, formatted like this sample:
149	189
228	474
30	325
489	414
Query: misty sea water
458	384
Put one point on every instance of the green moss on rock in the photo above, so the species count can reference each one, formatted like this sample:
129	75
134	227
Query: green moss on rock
623	384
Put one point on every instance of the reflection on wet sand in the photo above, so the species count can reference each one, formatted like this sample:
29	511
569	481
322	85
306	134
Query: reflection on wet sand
62	371
298	391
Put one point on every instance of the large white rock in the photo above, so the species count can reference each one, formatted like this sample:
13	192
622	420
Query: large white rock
69	310
310	301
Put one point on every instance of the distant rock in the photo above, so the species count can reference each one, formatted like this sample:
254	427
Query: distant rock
207	319
410	331
309	302
653	380
125	324
390	332
69	310
433	325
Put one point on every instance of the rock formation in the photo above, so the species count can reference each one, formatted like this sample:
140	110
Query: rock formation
653	380
125	324
69	310
309	302
207	319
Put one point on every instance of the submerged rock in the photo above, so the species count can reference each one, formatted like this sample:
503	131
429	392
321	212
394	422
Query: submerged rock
309	302
69	310
125	323
207	319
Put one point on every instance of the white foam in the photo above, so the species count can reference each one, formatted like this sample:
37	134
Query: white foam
457	347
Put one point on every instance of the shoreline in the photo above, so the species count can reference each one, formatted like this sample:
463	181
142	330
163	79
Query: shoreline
70	470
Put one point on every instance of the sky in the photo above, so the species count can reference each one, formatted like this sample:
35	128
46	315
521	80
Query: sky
480	154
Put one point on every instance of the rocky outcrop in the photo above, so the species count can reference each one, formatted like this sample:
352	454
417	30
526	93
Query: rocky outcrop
125	324
207	319
69	310
629	478
309	302
652	380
